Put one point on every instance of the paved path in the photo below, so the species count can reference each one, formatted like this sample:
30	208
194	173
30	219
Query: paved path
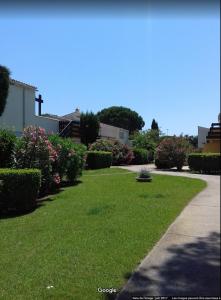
186	260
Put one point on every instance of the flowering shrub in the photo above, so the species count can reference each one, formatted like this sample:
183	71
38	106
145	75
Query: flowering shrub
172	152
122	154
71	157
34	150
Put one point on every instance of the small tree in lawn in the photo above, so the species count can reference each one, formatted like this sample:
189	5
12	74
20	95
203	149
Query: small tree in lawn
4	87
89	128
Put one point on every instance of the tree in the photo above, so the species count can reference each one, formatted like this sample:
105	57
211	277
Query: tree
89	128
148	140
192	139
172	152
122	117
4	87
154	125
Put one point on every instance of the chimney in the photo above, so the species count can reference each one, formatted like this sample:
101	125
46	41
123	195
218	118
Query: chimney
77	112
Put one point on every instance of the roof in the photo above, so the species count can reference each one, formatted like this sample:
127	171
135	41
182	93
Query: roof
19	83
72	116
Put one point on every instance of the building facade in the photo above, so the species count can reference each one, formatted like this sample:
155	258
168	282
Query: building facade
20	112
209	138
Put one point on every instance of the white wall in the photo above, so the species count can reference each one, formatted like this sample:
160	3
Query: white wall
202	133
20	111
112	132
49	124
13	115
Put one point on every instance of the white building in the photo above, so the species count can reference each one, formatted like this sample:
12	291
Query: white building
20	112
202	134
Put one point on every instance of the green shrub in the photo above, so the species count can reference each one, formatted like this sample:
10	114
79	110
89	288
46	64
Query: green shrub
208	163
71	157
140	156
144	173
7	144
121	154
148	139
99	159
172	152
19	189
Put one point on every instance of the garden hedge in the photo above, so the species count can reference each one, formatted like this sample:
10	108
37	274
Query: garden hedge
208	163
99	159
140	156
19	189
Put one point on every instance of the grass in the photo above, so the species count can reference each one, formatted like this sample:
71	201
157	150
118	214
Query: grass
88	236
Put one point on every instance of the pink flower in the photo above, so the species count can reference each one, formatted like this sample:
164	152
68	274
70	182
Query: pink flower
56	178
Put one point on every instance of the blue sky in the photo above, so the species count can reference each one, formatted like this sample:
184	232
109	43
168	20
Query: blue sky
163	68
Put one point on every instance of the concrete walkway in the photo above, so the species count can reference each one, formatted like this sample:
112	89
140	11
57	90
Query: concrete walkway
186	260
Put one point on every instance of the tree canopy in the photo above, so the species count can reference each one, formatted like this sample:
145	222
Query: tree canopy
154	125
122	117
4	87
89	127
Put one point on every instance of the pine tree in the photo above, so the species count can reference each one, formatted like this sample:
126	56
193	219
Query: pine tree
154	125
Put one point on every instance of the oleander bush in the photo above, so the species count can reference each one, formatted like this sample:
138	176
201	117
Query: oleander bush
19	189
121	154
208	163
172	152
34	150
7	144
70	157
99	159
140	156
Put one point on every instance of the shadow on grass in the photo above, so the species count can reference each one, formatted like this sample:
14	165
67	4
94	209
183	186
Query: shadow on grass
192	269
39	203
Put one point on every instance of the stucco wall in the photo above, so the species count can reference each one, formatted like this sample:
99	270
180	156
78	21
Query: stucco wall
49	124
13	115
202	133
20	111
108	131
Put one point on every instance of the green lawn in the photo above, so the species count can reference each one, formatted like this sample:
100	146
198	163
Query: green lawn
88	236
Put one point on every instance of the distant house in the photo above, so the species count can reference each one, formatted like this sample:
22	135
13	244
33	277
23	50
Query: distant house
202	134
106	131
20	113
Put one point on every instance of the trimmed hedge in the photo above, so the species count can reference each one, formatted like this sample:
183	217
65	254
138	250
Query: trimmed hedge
208	163
140	156
19	189
99	159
